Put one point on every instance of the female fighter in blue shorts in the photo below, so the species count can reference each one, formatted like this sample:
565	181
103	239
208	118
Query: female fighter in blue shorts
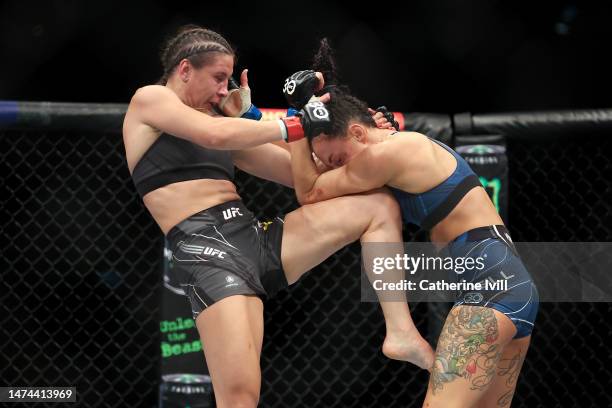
182	157
486	335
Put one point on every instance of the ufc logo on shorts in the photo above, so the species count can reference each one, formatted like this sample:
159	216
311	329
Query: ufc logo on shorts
213	252
289	86
231	213
200	250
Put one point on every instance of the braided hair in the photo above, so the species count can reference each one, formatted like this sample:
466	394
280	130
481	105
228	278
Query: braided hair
196	44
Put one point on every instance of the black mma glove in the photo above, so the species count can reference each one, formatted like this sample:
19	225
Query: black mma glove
389	116
309	122
299	88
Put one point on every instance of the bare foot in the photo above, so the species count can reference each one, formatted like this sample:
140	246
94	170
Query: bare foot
410	347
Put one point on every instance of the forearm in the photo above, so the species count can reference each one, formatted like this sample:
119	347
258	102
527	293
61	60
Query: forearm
304	170
237	134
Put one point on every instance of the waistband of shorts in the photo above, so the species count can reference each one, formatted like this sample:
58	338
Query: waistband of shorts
230	211
480	233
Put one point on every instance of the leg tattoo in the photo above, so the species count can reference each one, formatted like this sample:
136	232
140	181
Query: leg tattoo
510	369
467	344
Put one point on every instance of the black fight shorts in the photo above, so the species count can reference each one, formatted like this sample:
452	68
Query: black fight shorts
224	251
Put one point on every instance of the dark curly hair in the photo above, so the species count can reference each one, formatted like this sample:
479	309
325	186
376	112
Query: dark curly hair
343	106
344	109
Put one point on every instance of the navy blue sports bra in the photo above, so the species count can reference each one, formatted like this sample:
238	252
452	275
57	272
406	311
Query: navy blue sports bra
171	159
429	208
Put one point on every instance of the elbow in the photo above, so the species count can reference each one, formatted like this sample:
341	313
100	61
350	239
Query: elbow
219	135
301	199
216	141
310	197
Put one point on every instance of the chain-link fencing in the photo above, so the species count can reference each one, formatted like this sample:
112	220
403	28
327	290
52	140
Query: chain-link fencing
82	267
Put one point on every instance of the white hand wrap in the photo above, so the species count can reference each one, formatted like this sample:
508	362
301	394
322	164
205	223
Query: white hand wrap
236	103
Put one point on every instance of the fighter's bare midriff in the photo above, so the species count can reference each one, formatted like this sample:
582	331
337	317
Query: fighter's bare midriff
175	202
474	210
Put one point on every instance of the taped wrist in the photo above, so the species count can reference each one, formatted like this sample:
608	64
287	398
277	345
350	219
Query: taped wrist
237	102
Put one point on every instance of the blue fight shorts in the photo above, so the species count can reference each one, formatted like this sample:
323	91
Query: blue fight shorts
518	296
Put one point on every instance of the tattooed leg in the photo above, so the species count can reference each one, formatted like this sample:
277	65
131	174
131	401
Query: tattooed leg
469	349
502	388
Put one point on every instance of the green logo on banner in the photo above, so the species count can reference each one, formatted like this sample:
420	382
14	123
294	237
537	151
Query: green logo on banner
177	337
492	187
480	149
169	350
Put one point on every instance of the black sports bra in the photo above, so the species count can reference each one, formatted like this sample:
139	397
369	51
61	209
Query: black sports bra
171	159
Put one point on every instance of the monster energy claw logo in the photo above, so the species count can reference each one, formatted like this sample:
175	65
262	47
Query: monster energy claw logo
492	187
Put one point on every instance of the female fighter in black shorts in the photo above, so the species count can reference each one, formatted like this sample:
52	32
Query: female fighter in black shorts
182	161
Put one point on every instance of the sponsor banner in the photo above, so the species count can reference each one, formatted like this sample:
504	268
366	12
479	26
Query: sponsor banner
490	163
181	349
185	381
186	390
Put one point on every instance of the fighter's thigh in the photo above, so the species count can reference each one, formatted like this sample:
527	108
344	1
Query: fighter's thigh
315	231
256	321
468	351
502	388
231	339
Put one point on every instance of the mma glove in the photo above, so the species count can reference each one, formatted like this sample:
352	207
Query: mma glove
312	120
388	115
299	88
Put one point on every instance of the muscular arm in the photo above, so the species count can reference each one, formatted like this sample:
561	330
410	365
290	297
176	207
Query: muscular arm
368	170
160	108
270	162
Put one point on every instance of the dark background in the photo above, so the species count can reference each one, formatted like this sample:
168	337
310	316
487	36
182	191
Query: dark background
72	209
419	55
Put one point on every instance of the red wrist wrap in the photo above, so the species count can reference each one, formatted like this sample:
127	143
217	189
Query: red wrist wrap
295	131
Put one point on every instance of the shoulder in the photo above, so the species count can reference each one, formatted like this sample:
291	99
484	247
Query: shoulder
376	159
408	153
152	93
148	108
412	139
158	106
403	145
